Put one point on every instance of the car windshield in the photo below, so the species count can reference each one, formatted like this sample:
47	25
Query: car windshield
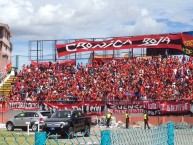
61	114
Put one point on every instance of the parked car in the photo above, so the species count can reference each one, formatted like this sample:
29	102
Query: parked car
67	122
19	121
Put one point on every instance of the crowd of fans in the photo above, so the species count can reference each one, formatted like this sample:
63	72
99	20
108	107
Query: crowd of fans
116	79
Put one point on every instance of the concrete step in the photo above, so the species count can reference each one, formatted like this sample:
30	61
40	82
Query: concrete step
6	93
8	81
6	85
5	88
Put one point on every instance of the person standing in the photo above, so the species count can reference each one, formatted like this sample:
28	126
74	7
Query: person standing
108	118
127	119
15	72
146	119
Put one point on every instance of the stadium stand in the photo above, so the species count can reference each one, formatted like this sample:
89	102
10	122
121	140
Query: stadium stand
108	79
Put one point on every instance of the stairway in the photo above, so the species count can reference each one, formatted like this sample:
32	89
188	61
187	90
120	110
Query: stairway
6	88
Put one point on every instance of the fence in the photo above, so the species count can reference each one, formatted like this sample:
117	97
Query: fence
166	134
161	135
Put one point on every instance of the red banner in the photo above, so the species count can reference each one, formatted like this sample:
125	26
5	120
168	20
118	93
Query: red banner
97	107
89	108
24	105
172	107
122	107
171	41
153	107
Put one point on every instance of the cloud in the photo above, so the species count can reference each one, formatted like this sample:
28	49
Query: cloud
64	19
58	19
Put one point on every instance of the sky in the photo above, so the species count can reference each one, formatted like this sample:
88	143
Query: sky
72	19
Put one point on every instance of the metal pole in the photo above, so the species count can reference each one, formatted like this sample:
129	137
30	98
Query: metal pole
17	61
37	51
55	58
92	58
75	59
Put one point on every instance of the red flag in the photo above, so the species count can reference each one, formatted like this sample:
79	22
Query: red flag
9	66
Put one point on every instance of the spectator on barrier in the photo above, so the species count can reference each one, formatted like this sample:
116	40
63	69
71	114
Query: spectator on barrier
146	119
108	118
127	117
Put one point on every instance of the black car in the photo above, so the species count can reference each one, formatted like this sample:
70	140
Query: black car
67	122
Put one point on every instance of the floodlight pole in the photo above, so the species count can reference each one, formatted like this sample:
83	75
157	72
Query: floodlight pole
55	50
37	51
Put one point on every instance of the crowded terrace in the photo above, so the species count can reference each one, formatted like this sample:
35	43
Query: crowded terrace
106	80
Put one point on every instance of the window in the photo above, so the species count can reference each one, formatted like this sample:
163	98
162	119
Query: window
66	114
78	114
45	113
1	32
35	115
61	114
21	115
31	114
5	56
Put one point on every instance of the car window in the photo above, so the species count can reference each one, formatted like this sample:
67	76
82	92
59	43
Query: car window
61	114
55	115
45	113
31	114
66	114
21	115
36	115
79	114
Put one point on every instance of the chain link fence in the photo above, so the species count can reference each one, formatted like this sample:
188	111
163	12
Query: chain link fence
166	134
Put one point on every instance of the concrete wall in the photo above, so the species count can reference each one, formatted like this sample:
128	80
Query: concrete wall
158	120
154	120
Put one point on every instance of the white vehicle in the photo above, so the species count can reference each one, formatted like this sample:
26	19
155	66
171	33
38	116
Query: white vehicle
19	121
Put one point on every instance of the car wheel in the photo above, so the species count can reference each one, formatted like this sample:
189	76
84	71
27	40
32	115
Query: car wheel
87	131
34	127
71	133
10	126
